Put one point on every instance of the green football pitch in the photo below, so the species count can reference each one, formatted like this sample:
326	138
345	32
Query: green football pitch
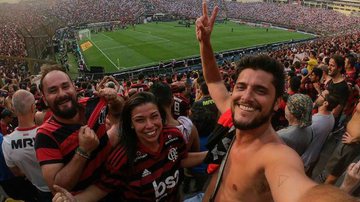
148	44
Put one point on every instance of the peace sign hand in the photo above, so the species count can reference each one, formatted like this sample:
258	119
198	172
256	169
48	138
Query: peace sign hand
204	25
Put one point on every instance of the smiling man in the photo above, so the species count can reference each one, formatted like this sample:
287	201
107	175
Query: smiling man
258	166
72	145
337	86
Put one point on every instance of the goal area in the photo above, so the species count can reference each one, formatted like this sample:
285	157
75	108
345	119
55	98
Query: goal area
84	34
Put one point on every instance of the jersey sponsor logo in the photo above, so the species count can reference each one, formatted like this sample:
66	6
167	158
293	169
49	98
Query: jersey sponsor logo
140	156
22	143
171	139
145	173
173	154
169	183
208	102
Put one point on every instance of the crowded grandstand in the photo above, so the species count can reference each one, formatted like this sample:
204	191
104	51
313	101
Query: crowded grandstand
222	125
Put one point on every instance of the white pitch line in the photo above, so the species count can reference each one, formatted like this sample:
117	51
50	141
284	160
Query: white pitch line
107	37
105	55
115	47
149	33
139	44
101	40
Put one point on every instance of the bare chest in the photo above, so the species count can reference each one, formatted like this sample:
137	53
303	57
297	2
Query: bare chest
244	180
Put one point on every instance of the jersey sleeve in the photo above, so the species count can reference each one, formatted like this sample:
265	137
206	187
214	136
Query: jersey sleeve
47	150
113	176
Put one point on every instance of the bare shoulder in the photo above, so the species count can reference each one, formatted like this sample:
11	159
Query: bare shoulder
285	173
274	152
279	158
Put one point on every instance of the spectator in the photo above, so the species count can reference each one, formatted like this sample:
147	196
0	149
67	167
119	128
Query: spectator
294	85
204	115
325	78
337	86
322	124
344	153
181	104
149	152
351	78
312	62
310	84
12	89
18	147
73	157
259	84
165	98
140	85
299	134
6	122
11	184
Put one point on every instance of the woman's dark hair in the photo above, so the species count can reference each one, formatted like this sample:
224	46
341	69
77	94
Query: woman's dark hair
128	138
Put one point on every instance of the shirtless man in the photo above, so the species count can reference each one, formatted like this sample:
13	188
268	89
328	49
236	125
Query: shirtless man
353	127
345	152
259	167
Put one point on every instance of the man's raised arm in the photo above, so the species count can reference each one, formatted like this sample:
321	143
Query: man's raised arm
288	182
217	89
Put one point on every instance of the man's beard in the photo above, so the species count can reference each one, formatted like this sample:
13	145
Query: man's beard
333	73
257	122
67	113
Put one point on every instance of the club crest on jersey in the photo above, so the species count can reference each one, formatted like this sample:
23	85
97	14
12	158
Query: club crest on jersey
173	154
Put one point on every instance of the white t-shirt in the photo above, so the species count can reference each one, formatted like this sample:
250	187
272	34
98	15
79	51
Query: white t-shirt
185	127
18	149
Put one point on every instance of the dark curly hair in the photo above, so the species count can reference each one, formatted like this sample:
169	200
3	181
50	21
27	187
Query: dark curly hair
267	64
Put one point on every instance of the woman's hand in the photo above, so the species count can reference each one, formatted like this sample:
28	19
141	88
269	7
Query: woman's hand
62	195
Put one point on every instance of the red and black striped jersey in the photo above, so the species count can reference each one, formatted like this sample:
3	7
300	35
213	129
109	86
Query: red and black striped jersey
56	142
181	106
154	176
140	87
